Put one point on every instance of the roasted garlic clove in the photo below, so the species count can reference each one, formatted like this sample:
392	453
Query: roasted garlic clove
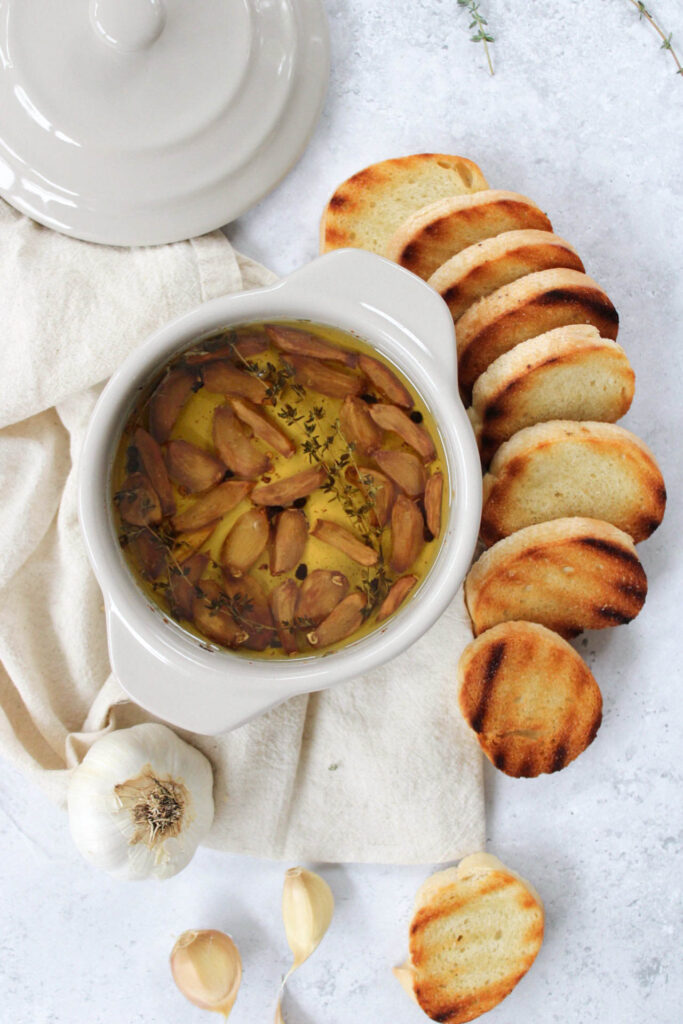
397	594
263	428
344	540
407	533
357	425
386	382
290	488
245	542
152	460
240	348
283	599
289	541
213	620
250	609
378	490
151	553
192	467
332	381
234	447
303	343
344	620
390	417
405	469
320	593
222	378
432	500
167	401
182	581
211	506
137	501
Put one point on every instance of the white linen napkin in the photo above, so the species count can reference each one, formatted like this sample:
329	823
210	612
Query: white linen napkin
380	769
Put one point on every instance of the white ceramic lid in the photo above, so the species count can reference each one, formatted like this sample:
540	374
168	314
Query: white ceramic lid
136	122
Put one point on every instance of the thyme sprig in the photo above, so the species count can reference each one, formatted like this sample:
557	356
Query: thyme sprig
666	38
479	22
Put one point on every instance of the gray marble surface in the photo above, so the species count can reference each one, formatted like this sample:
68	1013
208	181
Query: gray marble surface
584	114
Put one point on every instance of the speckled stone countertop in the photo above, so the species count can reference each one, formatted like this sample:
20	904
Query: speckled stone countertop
585	115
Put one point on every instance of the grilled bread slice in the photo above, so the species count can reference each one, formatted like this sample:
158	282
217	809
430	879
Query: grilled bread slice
558	469
524	309
529	697
367	208
567	574
475	932
480	269
569	373
433	234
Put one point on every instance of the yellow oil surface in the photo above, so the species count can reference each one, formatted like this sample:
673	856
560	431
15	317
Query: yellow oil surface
194	424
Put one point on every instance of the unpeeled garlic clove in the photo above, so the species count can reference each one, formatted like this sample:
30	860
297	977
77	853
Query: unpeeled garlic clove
307	908
207	968
405	976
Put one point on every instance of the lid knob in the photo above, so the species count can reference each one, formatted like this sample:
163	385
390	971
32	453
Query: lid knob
128	25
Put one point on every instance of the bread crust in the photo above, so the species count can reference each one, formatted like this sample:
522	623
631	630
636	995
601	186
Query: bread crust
529	697
438	231
567	373
460	968
365	210
562	468
482	268
567	574
524	309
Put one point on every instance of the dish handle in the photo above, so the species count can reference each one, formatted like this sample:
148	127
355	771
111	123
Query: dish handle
386	290
177	691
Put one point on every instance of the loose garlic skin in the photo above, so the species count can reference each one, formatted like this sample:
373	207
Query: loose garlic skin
207	968
140	802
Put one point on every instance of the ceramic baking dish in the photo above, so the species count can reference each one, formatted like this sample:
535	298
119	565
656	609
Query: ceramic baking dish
163	667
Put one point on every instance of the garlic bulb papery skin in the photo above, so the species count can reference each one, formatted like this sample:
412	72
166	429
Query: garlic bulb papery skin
140	802
207	968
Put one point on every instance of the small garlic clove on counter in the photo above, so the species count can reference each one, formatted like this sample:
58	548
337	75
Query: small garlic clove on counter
405	976
307	908
207	968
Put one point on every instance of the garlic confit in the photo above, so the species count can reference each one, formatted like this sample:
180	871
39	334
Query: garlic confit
207	968
140	802
307	908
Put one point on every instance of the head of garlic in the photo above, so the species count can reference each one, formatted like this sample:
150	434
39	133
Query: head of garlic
140	802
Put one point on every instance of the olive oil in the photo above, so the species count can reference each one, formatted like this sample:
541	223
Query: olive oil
366	477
